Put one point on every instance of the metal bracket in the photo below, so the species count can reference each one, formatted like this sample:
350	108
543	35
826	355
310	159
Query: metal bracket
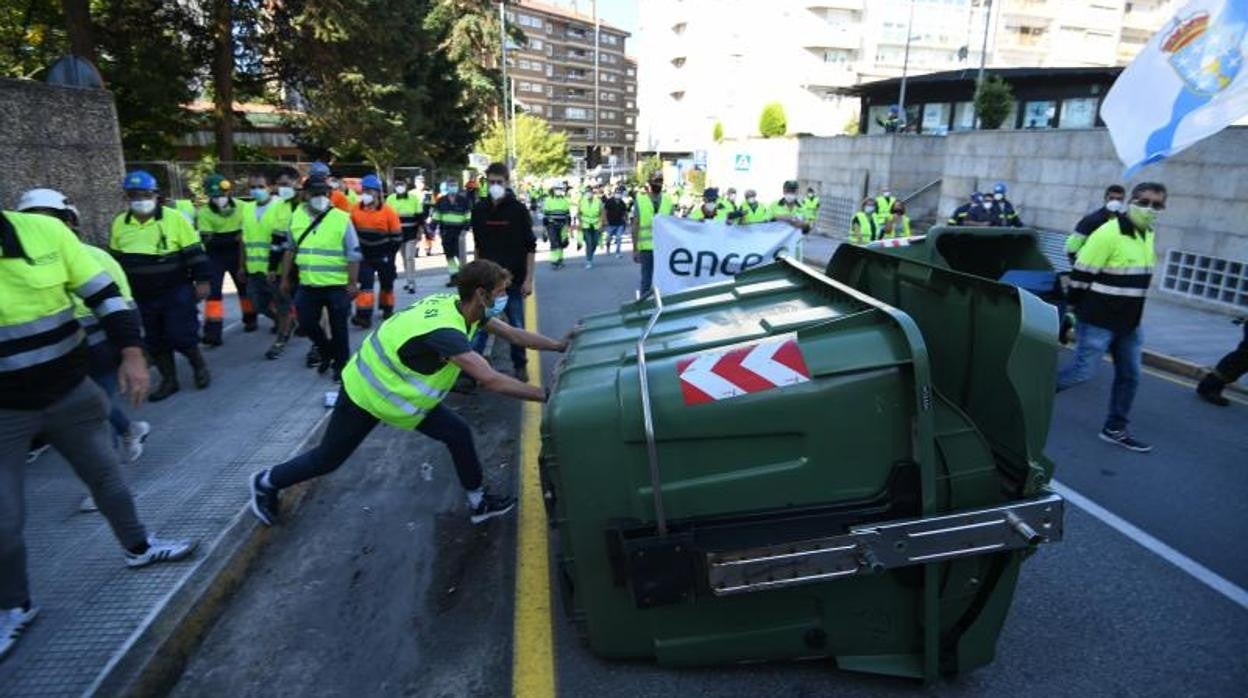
874	548
647	415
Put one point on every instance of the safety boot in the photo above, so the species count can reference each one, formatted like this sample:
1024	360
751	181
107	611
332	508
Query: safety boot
202	376
168	376
1210	390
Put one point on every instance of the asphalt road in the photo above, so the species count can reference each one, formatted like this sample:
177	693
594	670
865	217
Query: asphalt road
378	586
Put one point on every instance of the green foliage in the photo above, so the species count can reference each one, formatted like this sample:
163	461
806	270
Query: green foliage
468	34
993	100
851	126
772	122
540	152
648	167
717	133
32	36
696	179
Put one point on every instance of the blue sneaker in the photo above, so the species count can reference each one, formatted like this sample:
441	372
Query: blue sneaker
265	503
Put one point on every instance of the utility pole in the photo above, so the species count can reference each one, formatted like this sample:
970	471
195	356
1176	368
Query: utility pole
597	92
905	67
508	134
983	53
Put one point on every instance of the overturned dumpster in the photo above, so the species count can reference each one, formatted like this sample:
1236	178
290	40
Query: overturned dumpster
794	465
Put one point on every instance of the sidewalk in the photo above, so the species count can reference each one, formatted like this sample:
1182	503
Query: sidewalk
1177	338
190	482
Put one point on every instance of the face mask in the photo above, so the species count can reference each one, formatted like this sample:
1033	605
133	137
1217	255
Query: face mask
260	194
869	209
790	198
987	204
366	199
143	207
887	194
751	200
319	203
400	189
1114	206
285	193
221	201
500	304
998	196
333	183
452	190
558	192
1142	216
898	213
497	191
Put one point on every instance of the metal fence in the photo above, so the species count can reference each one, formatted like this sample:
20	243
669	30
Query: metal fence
183	179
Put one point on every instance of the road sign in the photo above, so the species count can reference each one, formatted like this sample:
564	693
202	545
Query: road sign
715	376
699	158
478	161
741	162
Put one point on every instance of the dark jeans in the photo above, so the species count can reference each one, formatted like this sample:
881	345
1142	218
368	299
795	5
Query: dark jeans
309	301
591	233
350	424
267	298
647	271
169	320
116	415
1234	364
1091	344
515	317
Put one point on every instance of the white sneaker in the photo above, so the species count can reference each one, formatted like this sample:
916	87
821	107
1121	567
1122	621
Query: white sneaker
160	550
13	622
132	441
589	265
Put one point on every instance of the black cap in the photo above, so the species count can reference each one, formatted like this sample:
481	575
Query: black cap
656	177
317	183
790	185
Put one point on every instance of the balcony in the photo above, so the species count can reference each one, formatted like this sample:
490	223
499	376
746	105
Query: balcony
1031	9
1143	22
820	74
824	35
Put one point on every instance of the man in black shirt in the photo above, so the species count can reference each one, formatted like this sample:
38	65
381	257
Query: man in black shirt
503	233
616	208
1115	203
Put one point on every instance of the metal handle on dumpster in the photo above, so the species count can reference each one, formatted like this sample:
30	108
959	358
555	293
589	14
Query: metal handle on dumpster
647	415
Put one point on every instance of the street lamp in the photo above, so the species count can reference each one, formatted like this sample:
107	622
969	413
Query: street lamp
905	67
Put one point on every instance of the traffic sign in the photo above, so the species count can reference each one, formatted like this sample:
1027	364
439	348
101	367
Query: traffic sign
741	162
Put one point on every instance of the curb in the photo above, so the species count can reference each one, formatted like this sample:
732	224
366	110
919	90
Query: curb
152	660
1184	369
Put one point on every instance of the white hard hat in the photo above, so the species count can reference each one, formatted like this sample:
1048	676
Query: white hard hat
46	198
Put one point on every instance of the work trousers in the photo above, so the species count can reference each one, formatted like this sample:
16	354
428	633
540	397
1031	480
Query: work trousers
453	248
222	260
267	297
515	317
590	233
1234	364
349	424
1126	348
309	302
77	427
169	320
378	263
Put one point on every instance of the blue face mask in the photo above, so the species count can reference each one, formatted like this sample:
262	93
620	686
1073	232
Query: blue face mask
500	304
260	194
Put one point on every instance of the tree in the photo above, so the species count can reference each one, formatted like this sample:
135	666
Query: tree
540	152
717	133
993	100
851	126
78	27
469	32
649	167
772	122
223	78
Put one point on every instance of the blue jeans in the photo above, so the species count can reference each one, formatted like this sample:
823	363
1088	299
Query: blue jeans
616	233
647	272
515	317
1091	344
116	416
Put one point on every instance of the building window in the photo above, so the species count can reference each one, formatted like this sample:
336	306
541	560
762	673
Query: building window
631	72
936	118
1078	113
875	115
1040	114
610	39
535	108
1208	278
608	58
607	96
630	104
576	32
628	120
606	134
630	88
526	86
609	77
578	53
576	113
836	56
532	22
610	115
535	44
964	116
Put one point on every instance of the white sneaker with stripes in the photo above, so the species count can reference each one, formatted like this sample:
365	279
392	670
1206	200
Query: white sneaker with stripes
160	550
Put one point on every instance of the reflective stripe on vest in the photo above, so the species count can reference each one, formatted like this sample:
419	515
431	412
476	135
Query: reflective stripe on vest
376	378
257	239
321	258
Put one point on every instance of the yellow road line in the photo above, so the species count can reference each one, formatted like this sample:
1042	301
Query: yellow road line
532	668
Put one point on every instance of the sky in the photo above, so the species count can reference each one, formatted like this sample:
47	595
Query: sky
621	13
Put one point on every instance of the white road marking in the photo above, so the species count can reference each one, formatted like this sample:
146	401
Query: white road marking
1194	569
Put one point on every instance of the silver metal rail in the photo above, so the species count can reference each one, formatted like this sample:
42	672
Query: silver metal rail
647	415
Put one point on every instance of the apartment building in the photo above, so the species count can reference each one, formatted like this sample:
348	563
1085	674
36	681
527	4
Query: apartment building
709	61
584	88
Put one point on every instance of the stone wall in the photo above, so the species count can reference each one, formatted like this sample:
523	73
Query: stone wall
64	138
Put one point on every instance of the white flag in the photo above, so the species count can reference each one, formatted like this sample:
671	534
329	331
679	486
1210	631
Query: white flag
690	253
1187	84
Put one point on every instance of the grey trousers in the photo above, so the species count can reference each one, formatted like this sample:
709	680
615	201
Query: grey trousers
77	427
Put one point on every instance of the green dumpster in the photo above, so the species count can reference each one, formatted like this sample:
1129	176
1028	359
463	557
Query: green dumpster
793	465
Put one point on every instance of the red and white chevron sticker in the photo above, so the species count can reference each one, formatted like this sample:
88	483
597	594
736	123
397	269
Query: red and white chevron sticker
750	369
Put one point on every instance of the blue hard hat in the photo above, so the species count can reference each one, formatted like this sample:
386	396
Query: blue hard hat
319	168
371	181
976	197
895	108
139	180
999	188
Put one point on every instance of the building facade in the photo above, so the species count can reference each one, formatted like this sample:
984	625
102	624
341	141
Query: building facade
553	77
719	61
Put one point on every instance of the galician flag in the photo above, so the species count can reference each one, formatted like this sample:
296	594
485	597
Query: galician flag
1187	84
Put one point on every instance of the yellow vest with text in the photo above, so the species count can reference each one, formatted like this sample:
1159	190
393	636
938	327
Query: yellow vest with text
376	378
322	255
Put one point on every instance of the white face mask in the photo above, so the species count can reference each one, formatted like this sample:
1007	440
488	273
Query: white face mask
869	209
143	207
221	201
558	192
987	204
319	203
998	196
790	198
887	194
1114	206
497	191
400	189
366	199
751	200
285	193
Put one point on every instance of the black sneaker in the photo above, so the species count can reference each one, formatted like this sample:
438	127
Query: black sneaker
492	505
313	358
1122	438
265	503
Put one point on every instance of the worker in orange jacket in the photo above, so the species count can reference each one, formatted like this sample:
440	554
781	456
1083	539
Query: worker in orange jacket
381	236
